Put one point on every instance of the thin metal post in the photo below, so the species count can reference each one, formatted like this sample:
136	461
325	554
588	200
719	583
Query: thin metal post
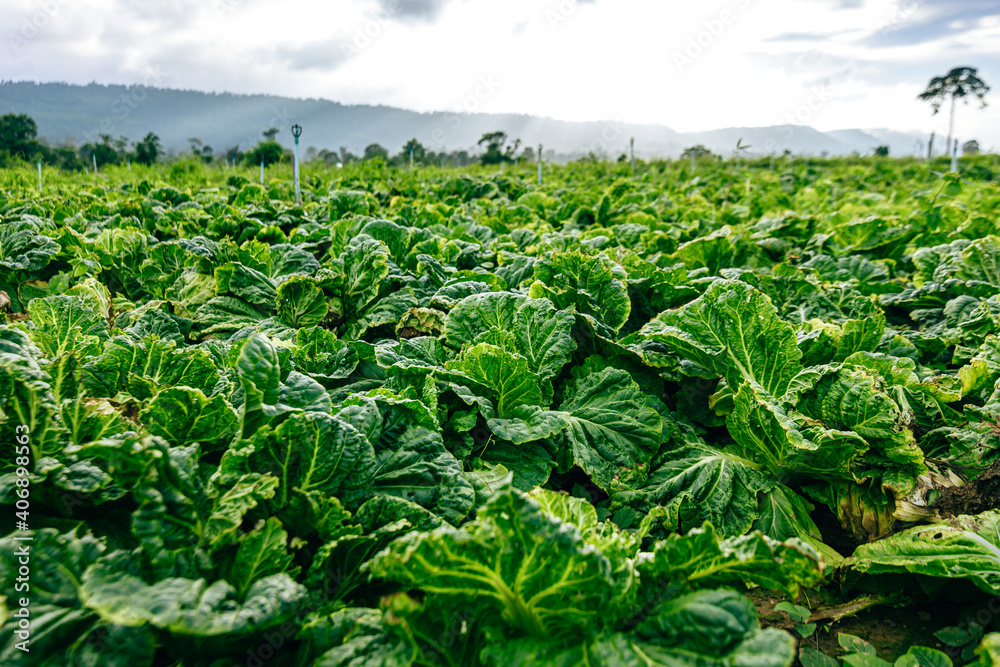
297	132
951	121
631	155
39	175
539	164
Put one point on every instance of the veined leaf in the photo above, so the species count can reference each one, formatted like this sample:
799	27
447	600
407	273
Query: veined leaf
610	426
519	566
312	451
541	334
505	374
587	283
320	355
696	483
411	461
734	330
67	324
300	302
266	395
851	400
182	415
191	607
702	558
262	553
789	448
143	368
225	314
701	628
365	267
968	548
245	283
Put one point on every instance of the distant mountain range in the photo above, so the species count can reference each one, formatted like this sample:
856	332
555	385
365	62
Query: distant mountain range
78	114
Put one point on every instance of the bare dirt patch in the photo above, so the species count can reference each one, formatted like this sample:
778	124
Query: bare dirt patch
979	495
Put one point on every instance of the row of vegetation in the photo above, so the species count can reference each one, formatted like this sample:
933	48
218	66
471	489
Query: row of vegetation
19	142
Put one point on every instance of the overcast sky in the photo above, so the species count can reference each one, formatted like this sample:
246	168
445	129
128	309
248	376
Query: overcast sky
832	64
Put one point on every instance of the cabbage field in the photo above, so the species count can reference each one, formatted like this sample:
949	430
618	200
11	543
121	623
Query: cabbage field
743	416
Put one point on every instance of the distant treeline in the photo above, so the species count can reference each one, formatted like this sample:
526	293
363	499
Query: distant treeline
19	141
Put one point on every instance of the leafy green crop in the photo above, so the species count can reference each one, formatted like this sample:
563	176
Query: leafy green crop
425	418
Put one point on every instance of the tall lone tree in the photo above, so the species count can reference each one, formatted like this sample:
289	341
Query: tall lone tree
497	150
147	150
17	135
414	151
373	151
959	83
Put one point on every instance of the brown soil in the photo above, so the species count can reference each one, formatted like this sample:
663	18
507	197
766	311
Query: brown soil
892	631
979	495
764	600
